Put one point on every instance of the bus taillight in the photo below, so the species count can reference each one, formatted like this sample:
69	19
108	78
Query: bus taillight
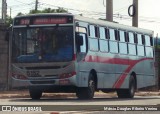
19	76
67	75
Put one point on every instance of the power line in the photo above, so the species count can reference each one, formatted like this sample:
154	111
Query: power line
41	3
22	9
121	9
20	2
101	13
130	2
97	14
17	6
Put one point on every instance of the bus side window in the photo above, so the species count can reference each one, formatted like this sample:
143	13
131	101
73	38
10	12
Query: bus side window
132	45
92	31
112	34
122	43
97	32
81	42
107	33
117	35
139	38
143	40
148	46
93	38
131	37
140	46
103	41
135	38
113	44
147	39
102	33
122	36
151	40
126	37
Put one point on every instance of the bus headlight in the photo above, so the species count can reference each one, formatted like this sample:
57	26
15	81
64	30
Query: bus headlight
67	75
19	76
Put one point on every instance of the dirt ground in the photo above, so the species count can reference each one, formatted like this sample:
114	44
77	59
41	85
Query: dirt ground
25	94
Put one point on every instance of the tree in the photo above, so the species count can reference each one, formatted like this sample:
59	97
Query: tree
48	10
20	14
9	20
61	10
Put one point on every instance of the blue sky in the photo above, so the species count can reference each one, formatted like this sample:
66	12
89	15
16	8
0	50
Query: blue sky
149	16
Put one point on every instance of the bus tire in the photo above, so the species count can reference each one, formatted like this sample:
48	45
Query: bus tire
35	94
87	92
128	93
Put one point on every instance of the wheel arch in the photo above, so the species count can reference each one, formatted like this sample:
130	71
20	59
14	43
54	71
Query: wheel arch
135	77
94	74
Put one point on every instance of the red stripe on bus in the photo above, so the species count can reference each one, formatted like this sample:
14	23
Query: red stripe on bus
121	61
108	60
121	79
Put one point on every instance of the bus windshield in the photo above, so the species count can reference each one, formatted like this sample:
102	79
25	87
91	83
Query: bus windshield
42	44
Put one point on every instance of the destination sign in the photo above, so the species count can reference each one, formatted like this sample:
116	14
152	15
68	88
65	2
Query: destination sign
50	21
42	20
24	21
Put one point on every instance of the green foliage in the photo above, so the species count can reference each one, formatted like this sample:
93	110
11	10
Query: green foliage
9	21
20	14
34	11
48	10
158	47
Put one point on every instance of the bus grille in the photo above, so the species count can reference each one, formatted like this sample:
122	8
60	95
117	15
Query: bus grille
43	82
43	67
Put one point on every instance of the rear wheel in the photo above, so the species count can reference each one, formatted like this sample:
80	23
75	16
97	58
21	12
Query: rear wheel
87	92
35	94
128	93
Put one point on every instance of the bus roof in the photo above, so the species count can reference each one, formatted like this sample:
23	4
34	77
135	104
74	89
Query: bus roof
96	22
44	14
113	25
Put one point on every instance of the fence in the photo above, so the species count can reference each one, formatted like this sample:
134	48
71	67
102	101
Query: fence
3	58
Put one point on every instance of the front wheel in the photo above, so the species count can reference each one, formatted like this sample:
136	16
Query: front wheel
35	94
87	92
128	93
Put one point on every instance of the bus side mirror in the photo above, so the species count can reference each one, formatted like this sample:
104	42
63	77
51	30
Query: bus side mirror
7	36
79	39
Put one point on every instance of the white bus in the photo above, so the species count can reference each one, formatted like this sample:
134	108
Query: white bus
67	53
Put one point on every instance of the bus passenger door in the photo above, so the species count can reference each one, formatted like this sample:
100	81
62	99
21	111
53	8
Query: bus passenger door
81	46
81	51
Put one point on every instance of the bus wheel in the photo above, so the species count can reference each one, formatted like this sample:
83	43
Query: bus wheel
87	92
128	93
35	94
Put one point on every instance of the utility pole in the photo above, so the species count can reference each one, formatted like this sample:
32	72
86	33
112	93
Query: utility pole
135	16
10	13
4	9
109	10
36	5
